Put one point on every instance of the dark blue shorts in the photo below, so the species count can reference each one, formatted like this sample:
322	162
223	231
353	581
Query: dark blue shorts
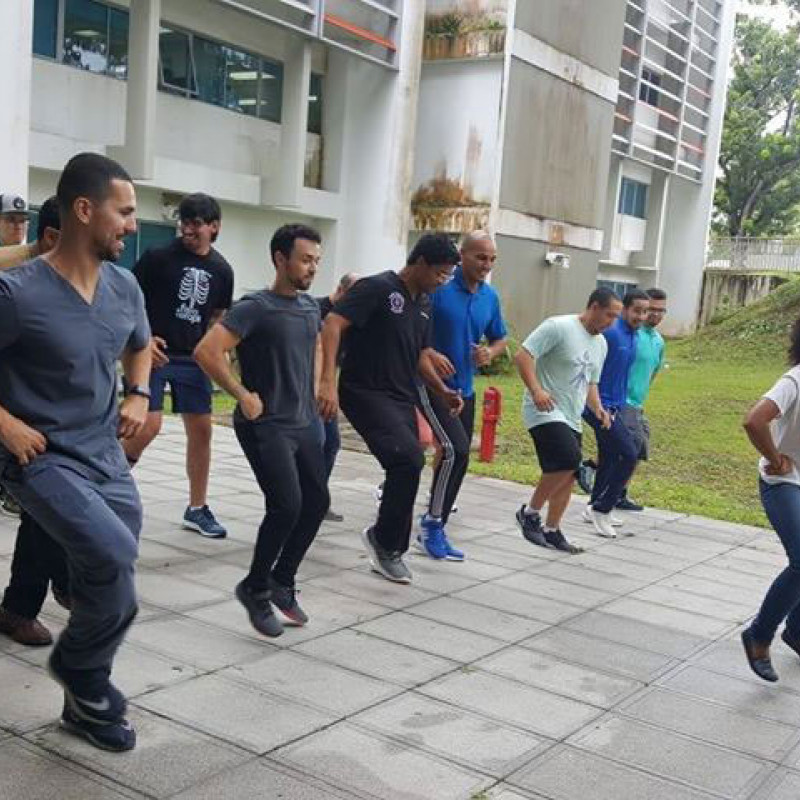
189	386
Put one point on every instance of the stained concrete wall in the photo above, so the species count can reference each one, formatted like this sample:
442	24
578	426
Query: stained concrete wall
726	291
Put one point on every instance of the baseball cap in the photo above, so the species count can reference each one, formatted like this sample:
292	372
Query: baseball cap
13	204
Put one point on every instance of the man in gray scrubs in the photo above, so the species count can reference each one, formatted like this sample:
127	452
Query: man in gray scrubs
65	319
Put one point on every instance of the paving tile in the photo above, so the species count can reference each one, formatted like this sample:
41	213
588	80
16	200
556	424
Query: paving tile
168	757
512	702
728	611
712	723
561	677
154	554
501	625
249	782
195	643
542	586
565	773
672	756
32	775
685	621
583	576
211	572
365	585
169	591
689	584
636	633
730	578
526	605
453	733
34	701
751	695
312	682
376	657
613	657
240	714
614	566
381	768
782	785
727	656
431	637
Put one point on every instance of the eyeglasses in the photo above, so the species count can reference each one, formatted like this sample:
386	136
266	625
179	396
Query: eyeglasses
14	219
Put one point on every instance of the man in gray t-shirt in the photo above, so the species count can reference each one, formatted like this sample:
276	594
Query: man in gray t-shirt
64	321
275	333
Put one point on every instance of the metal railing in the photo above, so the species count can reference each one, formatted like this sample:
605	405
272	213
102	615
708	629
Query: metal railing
744	254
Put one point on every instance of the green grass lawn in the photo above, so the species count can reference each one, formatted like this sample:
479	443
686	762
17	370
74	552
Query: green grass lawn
701	460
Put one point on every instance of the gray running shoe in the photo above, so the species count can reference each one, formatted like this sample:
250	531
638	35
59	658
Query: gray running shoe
531	527
390	565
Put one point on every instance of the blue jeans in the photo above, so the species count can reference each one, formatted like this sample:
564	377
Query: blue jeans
617	454
781	501
331	444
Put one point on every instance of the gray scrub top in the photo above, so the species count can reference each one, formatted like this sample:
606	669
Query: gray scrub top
58	357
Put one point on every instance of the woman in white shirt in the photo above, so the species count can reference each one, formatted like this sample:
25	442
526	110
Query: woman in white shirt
773	425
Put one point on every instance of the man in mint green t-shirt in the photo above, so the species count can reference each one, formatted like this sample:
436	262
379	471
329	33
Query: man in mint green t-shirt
560	364
648	362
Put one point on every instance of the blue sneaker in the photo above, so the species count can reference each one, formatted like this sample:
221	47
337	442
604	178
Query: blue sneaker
204	522
432	539
453	553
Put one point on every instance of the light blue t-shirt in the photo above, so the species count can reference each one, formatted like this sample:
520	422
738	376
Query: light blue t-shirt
568	360
649	360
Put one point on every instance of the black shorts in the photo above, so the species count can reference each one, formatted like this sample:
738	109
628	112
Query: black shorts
558	447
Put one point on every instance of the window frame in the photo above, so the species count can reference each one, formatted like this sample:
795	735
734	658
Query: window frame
633	195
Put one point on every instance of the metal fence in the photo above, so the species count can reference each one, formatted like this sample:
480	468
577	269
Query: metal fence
742	254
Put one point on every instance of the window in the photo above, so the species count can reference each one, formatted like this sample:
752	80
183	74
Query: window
633	199
45	27
95	38
648	91
148	235
215	73
620	288
315	104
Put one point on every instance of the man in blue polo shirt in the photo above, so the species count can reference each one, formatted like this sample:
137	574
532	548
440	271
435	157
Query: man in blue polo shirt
616	449
468	333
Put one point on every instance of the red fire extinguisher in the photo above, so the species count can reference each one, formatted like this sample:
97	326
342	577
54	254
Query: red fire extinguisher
492	408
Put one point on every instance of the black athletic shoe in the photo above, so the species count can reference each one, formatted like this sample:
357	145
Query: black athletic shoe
626	504
89	694
259	609
558	541
116	737
285	600
531	527
761	666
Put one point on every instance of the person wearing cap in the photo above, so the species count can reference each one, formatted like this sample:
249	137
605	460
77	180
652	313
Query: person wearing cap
14	216
38	559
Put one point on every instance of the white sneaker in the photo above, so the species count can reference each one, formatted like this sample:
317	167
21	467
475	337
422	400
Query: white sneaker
602	524
587	517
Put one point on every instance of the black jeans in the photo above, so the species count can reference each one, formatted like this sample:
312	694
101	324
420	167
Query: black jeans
332	445
38	560
389	428
290	469
454	438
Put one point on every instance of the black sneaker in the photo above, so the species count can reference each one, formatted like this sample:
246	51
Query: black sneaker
8	505
557	540
626	504
116	737
388	564
531	527
285	600
89	694
333	516
259	609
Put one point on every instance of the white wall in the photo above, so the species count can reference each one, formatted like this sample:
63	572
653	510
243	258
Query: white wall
458	121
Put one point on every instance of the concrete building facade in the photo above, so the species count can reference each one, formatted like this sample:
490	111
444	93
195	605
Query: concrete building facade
584	135
285	110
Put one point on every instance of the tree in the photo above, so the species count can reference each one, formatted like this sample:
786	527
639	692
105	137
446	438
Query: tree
759	189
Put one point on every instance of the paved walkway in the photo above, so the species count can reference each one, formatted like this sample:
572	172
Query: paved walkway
521	673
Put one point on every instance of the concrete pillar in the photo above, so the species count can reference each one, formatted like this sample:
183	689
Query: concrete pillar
286	187
16	35
138	152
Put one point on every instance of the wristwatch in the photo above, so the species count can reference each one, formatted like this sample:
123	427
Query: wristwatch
139	391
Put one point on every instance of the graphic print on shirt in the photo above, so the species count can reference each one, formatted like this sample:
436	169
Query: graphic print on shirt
193	292
583	366
396	302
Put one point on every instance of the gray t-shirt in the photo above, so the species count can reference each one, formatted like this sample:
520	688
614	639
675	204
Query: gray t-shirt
58	357
568	360
276	354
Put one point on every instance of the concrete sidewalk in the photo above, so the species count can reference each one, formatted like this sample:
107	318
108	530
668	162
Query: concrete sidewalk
521	673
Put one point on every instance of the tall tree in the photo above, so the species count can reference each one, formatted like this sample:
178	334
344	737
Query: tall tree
759	189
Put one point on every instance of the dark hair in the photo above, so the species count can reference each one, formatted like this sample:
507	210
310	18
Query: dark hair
435	249
794	344
199	206
49	217
603	297
632	296
88	175
656	294
285	237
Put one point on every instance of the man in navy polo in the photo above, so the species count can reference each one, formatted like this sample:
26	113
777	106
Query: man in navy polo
468	333
617	452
